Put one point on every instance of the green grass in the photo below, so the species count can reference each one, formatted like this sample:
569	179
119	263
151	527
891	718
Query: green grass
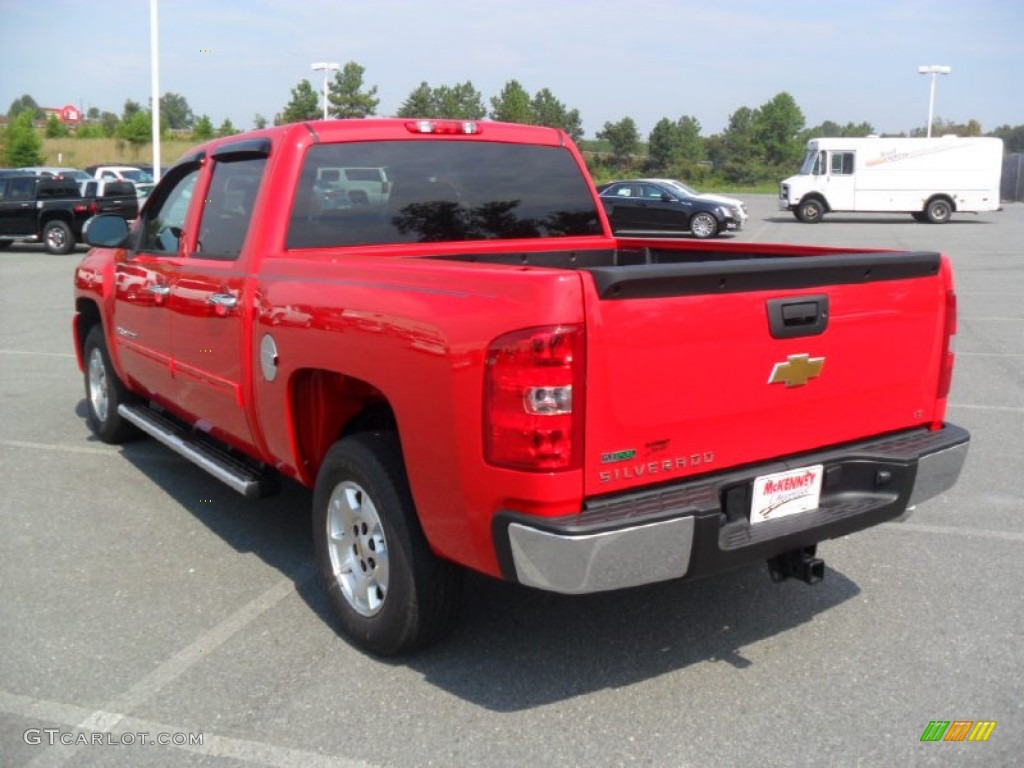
78	153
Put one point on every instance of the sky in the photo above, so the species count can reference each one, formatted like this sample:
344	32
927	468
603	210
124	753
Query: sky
841	60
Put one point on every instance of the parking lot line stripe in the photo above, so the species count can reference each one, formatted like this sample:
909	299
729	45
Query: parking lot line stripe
989	354
34	352
107	718
92	449
257	752
976	407
953	530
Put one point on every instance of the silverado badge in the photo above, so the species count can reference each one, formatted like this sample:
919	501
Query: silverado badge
797	370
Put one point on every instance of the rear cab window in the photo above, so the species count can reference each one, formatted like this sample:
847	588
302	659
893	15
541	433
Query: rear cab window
437	191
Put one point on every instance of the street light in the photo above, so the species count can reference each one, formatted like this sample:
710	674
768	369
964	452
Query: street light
325	67
933	70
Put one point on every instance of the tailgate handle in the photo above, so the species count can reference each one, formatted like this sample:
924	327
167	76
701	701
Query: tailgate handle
802	316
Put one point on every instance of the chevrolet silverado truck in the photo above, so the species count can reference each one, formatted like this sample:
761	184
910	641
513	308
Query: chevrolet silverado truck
473	372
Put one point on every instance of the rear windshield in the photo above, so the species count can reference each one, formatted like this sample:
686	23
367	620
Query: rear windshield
441	191
118	189
51	190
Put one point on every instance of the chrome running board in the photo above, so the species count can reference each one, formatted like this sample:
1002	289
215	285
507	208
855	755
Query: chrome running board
200	450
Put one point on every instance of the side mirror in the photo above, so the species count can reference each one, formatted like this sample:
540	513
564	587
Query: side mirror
105	231
666	197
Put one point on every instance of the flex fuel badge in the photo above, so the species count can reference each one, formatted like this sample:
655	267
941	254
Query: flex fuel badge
614	456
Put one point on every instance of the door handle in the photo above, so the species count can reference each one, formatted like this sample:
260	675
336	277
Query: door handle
158	289
225	300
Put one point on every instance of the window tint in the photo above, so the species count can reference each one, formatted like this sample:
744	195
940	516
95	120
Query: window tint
21	189
51	190
442	190
651	192
228	209
164	218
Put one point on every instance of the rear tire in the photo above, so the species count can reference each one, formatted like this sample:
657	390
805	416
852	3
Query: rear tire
939	211
5	244
104	392
810	211
703	226
390	593
58	237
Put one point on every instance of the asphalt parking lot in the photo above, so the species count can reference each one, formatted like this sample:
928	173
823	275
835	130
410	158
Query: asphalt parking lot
142	601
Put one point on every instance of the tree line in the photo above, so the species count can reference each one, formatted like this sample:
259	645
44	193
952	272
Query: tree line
757	145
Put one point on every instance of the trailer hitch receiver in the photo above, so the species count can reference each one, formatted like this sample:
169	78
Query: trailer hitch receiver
797	564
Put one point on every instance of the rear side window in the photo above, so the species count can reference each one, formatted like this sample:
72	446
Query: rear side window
441	191
21	189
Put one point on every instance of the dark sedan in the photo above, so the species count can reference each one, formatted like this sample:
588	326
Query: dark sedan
643	207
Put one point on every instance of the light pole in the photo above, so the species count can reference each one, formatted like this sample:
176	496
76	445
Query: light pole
933	70
325	67
154	84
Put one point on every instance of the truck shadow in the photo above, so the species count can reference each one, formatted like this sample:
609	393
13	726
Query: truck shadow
516	648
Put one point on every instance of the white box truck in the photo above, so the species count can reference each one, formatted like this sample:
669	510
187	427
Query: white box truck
928	178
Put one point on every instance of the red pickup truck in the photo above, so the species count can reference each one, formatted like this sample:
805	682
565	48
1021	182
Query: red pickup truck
471	371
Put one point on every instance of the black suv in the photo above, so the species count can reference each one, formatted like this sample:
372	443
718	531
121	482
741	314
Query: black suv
34	208
645	207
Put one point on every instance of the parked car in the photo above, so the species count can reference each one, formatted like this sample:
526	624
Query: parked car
647	206
738	206
81	178
143	181
45	209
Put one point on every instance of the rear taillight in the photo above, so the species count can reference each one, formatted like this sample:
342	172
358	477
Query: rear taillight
533	399
948	356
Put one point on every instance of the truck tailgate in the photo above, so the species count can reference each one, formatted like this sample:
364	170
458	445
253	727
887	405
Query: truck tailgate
702	365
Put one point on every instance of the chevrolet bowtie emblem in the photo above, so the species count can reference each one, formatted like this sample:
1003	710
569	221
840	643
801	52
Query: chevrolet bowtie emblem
797	370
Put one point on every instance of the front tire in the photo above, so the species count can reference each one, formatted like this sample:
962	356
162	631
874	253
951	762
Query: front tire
703	226
58	237
811	211
104	392
939	211
390	593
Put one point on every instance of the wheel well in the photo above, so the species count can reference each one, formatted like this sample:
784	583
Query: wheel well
816	197
946	198
326	406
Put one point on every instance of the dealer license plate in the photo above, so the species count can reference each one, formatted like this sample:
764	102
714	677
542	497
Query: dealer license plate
786	493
